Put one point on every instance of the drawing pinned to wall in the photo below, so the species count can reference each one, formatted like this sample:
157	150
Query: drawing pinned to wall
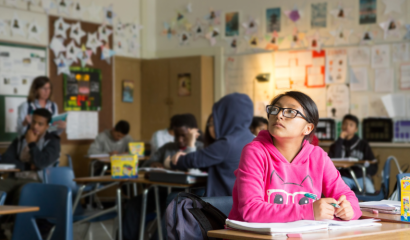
82	89
405	77
184	84
392	6
120	45
318	18
135	29
57	45
198	30
3	28
92	42
63	64
294	15
341	36
119	28
337	100
366	37
184	38
315	72
63	6
231	24
182	21
253	41
381	56
133	47
109	14
358	79
72	51
169	30
17	26
214	17
34	31
391	28
407	35
272	20
128	91
316	42
251	26
359	56
233	44
368	11
384	80
104	33
297	38
47	5
401	52
76	32
60	28
273	41
11	105
85	56
336	66
212	34
107	53
341	13
77	11
95	11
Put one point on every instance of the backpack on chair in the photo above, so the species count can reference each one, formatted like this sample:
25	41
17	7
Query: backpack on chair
189	217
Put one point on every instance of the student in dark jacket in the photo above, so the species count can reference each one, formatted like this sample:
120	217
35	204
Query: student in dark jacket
232	116
350	145
31	153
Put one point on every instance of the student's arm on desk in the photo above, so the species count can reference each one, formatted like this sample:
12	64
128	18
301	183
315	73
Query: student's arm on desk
11	156
96	146
335	150
209	156
158	156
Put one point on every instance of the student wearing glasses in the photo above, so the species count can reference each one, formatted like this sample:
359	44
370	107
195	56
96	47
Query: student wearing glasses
282	177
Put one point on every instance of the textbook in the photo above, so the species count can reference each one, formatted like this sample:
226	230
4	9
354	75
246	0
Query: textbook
383	206
60	117
349	159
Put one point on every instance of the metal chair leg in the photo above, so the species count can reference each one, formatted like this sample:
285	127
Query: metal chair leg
88	228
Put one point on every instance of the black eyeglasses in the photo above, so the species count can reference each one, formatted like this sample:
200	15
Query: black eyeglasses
286	112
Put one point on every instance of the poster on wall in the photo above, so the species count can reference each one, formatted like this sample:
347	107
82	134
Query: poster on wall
82	89
128	91
318	16
272	20
184	84
368	11
336	67
232	24
11	105
337	100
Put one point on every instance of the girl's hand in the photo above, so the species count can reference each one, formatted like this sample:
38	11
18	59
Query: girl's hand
345	212
175	158
192	136
323	210
61	124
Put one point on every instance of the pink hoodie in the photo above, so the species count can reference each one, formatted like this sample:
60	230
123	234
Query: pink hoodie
270	189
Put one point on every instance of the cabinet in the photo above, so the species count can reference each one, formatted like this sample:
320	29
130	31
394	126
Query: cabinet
159	91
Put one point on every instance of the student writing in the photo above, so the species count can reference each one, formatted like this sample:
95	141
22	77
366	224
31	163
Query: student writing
280	168
350	145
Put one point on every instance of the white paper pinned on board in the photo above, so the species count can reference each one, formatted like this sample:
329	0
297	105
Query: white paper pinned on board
82	125
395	105
381	56
337	100
400	52
11	112
405	76
336	67
358	79
383	80
359	56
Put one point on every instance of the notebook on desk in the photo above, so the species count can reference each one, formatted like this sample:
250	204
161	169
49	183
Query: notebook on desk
5	166
349	159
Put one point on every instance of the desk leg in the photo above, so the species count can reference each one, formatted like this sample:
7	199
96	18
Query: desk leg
119	212
158	213
134	185
143	213
364	178
355	179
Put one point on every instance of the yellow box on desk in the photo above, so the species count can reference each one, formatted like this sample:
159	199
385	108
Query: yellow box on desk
405	197
136	148
124	166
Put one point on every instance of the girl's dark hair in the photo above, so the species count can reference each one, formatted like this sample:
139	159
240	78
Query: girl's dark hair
309	107
37	83
208	140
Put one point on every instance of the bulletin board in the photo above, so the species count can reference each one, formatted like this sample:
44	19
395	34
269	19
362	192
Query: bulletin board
19	65
105	115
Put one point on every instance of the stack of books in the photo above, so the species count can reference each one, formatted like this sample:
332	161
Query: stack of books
383	206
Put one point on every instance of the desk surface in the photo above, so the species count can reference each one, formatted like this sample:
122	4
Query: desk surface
394	218
391	231
17	209
140	179
107	159
9	170
347	164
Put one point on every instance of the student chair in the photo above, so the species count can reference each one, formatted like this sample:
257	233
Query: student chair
224	204
384	189
399	177
3	196
54	202
70	161
64	176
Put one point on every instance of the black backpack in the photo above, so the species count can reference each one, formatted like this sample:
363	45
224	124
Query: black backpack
189	217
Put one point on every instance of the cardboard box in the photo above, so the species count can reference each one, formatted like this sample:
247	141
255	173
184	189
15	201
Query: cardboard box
136	148
124	166
405	197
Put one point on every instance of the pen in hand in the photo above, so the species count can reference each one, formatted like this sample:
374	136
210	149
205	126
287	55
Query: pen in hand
314	197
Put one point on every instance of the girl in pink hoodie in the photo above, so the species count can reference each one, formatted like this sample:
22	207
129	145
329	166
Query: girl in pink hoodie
280	171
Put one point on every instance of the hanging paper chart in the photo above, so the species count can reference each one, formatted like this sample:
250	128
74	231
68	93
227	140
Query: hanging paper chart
82	89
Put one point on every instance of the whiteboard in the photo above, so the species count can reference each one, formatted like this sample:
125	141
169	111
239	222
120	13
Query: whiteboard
18	67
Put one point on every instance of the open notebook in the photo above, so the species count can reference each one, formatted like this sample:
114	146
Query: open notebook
302	226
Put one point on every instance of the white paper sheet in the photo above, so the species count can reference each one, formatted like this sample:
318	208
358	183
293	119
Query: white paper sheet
336	67
358	79
82	125
400	52
395	105
383	80
381	56
359	56
11	105
337	100
405	76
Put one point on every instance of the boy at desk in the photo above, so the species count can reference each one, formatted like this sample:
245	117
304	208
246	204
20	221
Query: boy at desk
32	152
350	145
112	141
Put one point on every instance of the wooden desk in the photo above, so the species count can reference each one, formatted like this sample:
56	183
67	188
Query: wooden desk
9	170
391	231
107	159
17	209
384	217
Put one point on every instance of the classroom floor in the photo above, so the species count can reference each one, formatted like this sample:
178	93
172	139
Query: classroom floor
98	233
